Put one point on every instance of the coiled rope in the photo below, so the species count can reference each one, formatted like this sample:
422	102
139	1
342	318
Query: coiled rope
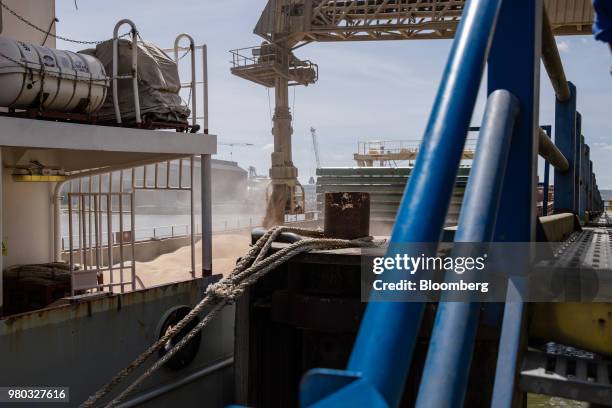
248	270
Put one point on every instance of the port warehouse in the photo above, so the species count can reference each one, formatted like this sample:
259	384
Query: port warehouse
308	308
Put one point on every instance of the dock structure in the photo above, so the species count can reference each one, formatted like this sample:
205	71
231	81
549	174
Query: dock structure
388	362
396	153
285	27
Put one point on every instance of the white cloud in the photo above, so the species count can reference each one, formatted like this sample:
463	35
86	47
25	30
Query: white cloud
269	147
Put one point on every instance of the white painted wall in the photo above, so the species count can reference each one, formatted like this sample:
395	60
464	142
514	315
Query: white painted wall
27	220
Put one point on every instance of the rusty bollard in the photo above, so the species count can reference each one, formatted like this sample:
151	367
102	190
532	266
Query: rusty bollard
347	215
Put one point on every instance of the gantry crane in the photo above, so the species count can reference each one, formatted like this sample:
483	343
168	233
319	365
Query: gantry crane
286	25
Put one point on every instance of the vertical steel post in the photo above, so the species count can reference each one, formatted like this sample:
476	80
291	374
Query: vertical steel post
565	134
133	73
205	84
445	377
109	232
84	250
514	65
582	179
191	215
58	245
206	183
133	238
548	131
586	179
383	350
97	246
206	198
578	158
121	254
1	221
192	51
591	186
70	245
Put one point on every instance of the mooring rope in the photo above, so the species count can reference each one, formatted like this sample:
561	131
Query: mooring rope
248	270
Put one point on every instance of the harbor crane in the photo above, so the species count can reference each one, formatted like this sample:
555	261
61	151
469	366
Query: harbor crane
286	25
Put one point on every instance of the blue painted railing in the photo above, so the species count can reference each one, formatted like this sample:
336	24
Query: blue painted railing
382	353
445	376
383	349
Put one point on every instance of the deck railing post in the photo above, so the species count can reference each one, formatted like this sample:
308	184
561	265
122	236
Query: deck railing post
582	178
454	333
587	180
591	186
514	65
565	134
206	220
546	188
578	158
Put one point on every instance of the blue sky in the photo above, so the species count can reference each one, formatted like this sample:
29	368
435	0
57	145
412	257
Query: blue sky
366	91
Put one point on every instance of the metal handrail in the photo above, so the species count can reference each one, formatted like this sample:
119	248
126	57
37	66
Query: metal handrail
456	323
552	61
133	75
271	55
192	83
551	153
399	146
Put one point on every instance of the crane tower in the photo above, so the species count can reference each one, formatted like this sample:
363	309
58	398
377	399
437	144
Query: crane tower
286	25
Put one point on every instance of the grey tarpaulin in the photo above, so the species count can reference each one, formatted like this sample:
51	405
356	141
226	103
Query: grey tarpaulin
158	84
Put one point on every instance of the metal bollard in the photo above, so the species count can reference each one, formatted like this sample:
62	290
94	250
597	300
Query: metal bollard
347	215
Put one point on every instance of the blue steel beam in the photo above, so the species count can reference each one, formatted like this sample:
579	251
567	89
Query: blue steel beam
582	178
578	156
445	377
548	131
586	179
565	134
383	350
514	65
591	186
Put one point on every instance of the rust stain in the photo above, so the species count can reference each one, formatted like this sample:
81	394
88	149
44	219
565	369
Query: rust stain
86	308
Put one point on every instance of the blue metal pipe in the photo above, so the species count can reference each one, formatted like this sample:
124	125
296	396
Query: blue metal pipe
447	366
513	327
577	158
581	178
565	134
383	349
514	64
547	130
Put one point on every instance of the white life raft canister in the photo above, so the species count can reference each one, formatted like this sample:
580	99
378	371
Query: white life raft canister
32	76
